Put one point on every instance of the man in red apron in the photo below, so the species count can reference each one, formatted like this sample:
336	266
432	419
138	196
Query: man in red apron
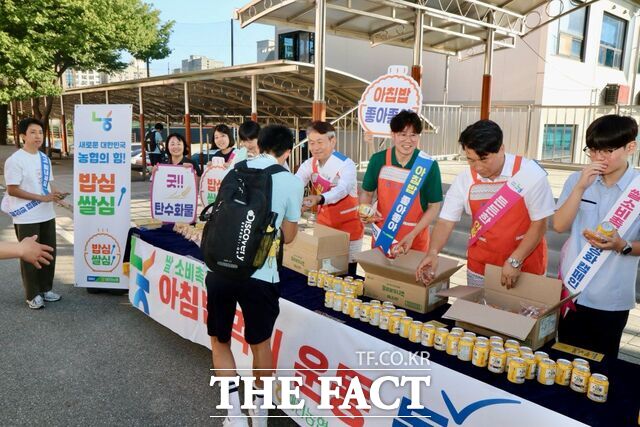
387	172
334	188
516	240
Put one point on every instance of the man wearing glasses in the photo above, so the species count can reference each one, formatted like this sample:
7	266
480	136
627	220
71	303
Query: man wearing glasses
387	172
516	239
587	200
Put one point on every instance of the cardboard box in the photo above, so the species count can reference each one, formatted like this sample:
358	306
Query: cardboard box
470	312
395	280
318	248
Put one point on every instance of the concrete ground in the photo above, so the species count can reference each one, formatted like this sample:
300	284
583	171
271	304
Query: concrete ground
93	360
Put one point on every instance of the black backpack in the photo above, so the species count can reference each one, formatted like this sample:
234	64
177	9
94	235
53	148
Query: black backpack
150	141
240	225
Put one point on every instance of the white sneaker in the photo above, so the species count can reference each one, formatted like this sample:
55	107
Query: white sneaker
51	296
36	303
236	421
259	417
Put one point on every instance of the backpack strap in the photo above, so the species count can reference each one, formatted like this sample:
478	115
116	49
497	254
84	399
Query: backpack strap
274	169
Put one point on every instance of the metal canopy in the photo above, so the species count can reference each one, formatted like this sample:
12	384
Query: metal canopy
450	26
284	91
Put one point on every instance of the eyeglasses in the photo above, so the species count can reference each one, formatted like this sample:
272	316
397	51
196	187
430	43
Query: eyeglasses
607	152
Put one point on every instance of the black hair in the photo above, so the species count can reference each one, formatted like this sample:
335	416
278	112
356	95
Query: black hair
222	128
406	118
185	149
248	130
484	137
275	139
158	126
611	131
25	123
321	127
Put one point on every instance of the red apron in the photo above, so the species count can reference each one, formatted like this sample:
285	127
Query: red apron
390	183
342	215
498	243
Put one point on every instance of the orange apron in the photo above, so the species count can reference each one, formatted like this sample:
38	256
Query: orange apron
342	215
390	183
498	243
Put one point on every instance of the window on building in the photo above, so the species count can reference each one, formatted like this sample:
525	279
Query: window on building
571	34
557	143
296	46
612	41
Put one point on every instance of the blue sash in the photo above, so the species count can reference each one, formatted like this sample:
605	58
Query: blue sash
404	201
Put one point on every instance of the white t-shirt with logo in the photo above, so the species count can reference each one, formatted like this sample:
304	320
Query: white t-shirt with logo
24	170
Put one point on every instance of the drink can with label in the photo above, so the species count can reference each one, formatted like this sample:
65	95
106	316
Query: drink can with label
328	298
497	360
606	229
563	372
598	388
428	334
525	350
440	339
415	331
452	343
405	322
365	310
482	339
511	353
580	379
532	366
517	370
512	344
496	338
374	315
540	355
480	355
389	305
354	311
348	300
547	372
385	314
577	361
394	323
312	278
457	330
359	284
338	301
465	349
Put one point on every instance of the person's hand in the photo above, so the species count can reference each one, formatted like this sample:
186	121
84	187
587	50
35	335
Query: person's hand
404	244
51	197
613	243
34	253
589	174
427	268
309	202
154	169
509	276
187	165
369	215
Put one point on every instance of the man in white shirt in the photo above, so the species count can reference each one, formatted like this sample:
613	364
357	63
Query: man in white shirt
334	186
29	201
516	242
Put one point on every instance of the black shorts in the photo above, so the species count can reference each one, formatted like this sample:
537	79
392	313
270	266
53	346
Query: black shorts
258	300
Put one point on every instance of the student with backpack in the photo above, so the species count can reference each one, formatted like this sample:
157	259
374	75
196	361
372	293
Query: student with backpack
153	144
256	199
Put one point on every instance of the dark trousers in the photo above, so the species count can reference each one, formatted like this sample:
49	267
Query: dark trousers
155	158
38	281
593	329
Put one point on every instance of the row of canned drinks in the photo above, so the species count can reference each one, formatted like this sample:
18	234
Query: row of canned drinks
520	362
327	281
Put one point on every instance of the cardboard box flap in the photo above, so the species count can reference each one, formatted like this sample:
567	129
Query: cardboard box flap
465	292
560	303
530	286
501	321
403	267
331	242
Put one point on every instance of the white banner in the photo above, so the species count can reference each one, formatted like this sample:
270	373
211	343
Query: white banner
211	180
174	195
101	194
170	288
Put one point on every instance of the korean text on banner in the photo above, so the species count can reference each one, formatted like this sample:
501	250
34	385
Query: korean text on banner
211	180
174	196
101	194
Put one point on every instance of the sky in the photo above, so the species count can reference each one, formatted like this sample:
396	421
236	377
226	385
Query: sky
203	27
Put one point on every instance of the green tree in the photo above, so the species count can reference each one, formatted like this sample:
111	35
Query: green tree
160	48
41	39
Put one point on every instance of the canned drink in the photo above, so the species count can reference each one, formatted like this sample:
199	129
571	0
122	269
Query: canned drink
525	350
465	349
385	314
328	298
452	343
546	372
470	335
540	355
482	339
598	388
480	355
338	285
563	372
497	360
495	344
366	211
320	278
440	339
496	338
577	361
346	305
428	334
511	353
401	311
457	330
375	302
415	331
354	312
327	283
580	379
338	301
511	344
532	366
389	305
359	284
606	229
394	323
312	278
405	322
374	315
348	279
365	310
517	370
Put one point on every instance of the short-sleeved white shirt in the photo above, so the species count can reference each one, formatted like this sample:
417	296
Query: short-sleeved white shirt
24	170
539	200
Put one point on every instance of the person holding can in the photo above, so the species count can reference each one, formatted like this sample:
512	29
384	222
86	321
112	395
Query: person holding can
408	186
595	204
334	186
508	226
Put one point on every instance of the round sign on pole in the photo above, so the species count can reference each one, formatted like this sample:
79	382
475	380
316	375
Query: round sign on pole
384	98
